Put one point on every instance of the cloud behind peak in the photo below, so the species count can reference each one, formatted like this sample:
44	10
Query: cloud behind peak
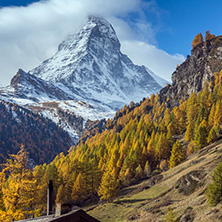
31	34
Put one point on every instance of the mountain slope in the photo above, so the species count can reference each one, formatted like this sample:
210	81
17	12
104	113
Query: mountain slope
26	88
42	138
141	141
182	188
55	103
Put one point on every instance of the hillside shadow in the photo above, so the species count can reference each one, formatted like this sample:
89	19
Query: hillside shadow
126	191
130	201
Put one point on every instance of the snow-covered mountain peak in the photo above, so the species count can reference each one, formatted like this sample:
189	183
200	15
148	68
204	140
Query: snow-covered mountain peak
96	27
103	29
79	51
91	65
88	68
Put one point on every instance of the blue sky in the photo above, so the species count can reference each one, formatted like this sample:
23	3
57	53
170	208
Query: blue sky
4	3
156	33
175	22
183	19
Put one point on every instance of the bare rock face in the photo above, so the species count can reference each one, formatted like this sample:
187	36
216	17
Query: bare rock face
188	183
190	76
31	87
188	215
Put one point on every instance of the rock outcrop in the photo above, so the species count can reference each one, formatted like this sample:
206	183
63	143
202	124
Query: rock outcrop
190	76
30	87
188	183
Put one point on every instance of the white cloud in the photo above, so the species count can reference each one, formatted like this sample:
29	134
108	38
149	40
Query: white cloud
28	35
157	60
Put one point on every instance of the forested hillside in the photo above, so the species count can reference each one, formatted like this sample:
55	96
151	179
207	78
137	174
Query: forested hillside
42	138
140	140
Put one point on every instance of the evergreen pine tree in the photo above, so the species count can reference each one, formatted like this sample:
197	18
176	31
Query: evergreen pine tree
214	190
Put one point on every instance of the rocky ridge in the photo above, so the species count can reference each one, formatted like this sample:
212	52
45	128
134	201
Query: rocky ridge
190	76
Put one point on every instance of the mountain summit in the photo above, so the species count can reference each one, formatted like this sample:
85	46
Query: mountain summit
88	77
91	65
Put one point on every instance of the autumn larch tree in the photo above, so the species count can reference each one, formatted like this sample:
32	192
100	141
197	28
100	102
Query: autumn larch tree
79	189
197	40
208	36
178	154
200	139
109	186
18	191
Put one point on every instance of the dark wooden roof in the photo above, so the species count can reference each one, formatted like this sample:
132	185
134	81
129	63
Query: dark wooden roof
76	215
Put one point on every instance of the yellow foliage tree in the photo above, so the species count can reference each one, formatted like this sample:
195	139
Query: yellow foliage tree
18	191
208	36
178	154
79	189
197	40
109	186
147	169
60	194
